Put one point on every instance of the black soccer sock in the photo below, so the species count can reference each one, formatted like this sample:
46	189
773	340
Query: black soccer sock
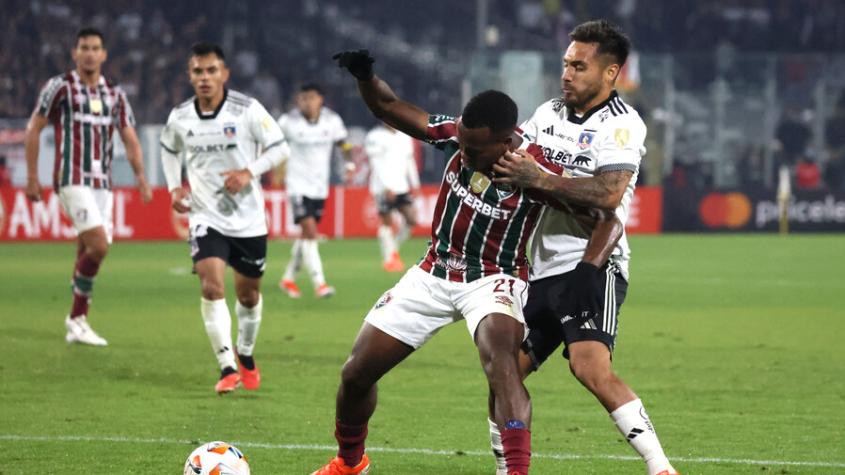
227	371
248	362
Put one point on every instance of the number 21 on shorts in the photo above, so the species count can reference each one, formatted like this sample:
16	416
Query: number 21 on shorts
504	285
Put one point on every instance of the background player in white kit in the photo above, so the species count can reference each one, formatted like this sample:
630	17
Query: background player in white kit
312	132
574	297
394	180
226	141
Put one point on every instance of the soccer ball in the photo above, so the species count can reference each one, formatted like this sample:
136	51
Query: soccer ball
216	458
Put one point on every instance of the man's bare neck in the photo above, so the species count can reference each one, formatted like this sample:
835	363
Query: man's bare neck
90	79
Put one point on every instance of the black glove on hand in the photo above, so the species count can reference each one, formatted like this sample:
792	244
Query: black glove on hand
359	63
583	290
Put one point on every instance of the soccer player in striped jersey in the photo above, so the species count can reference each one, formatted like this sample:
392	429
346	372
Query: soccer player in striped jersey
475	268
575	299
226	141
393	181
84	109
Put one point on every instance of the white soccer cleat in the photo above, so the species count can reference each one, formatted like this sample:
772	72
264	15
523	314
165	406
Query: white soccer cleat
324	291
79	331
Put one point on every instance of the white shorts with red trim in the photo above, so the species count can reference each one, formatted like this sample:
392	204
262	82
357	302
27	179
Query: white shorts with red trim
420	304
88	208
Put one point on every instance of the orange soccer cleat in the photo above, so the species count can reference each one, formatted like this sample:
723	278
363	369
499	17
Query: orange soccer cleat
227	383
667	472
394	264
289	287
338	467
250	378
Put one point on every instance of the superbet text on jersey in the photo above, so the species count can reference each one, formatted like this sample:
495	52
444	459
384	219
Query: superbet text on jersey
609	137
230	138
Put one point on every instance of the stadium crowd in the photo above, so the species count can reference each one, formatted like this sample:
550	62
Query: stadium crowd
273	54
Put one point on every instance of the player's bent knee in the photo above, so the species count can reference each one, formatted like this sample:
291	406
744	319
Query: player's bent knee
354	379
591	373
212	290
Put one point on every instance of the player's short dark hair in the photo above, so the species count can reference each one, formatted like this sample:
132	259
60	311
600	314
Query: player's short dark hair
205	48
90	31
311	86
609	37
491	108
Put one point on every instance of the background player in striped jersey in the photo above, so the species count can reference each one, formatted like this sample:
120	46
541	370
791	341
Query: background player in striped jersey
226	141
393	182
475	268
84	109
312	131
575	297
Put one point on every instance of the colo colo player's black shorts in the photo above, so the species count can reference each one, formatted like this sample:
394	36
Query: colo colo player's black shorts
386	206
246	255
304	207
553	320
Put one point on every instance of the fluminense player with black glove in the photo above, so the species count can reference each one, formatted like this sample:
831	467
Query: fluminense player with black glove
574	297
475	269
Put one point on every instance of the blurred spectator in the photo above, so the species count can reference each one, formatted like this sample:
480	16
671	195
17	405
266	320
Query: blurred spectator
834	173
793	135
807	175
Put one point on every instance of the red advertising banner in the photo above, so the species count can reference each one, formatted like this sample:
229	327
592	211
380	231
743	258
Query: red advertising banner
349	212
646	213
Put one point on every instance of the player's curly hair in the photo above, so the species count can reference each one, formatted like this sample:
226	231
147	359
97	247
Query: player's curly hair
491	108
610	38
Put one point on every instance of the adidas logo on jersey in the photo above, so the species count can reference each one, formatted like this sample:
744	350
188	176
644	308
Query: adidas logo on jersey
190	133
549	130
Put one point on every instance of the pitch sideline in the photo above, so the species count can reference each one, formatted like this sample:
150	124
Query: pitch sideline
433	452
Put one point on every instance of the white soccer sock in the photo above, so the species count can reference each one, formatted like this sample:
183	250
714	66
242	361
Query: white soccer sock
386	242
498	448
311	258
634	424
249	321
295	261
218	326
403	234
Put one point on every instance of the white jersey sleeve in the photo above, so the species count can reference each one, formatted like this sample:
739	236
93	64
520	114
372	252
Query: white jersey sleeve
171	153
263	128
338	128
620	145
268	135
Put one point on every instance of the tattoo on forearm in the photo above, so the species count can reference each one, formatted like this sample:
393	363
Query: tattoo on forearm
601	191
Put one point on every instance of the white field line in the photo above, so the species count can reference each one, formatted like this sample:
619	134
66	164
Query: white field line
422	451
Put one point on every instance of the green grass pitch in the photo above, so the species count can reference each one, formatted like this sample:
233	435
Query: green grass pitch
733	342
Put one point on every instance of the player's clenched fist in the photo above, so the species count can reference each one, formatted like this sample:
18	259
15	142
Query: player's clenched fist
180	200
359	63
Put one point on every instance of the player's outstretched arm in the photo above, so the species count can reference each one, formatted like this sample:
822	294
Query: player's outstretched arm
380	98
31	146
136	160
603	191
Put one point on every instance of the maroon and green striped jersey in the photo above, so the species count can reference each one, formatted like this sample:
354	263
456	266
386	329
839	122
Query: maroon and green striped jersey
479	228
83	119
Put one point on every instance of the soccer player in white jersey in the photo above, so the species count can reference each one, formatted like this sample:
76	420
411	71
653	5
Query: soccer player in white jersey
226	141
394	180
84	109
312	131
574	299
